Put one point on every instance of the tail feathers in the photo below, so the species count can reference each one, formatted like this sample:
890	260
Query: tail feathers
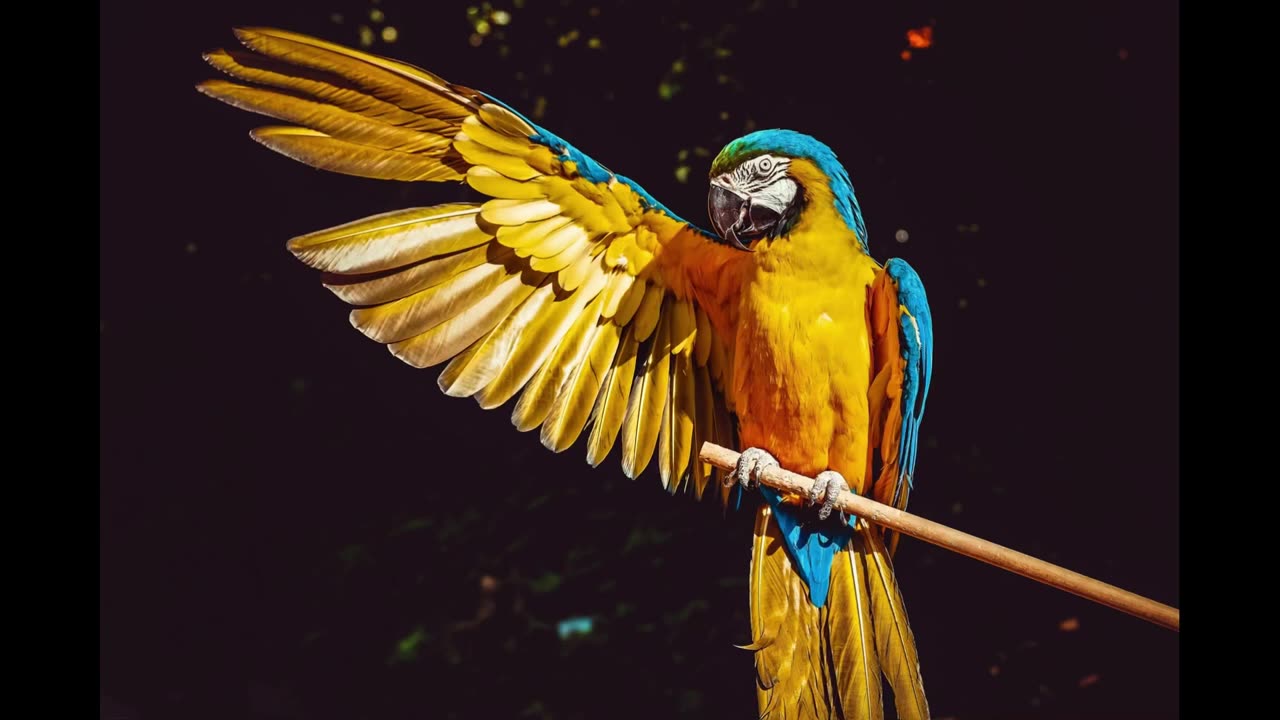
895	644
793	670
852	639
827	663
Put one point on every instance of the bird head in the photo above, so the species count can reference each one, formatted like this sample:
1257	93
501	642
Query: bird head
761	184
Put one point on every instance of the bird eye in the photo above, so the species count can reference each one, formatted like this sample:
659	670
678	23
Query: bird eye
766	164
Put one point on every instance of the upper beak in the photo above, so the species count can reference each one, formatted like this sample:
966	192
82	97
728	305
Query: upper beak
737	217
729	212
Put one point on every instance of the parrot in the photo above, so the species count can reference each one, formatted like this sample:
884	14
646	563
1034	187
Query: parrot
610	316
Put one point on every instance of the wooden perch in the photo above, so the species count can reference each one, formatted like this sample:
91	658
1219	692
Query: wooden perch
963	543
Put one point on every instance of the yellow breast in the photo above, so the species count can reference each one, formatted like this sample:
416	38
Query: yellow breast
802	359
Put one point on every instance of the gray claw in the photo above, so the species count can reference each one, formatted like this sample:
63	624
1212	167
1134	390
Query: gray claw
831	484
751	463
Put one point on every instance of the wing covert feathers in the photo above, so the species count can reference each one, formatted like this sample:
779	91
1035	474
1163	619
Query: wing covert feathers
548	290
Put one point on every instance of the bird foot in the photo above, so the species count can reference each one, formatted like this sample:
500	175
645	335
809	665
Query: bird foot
751	463
829	483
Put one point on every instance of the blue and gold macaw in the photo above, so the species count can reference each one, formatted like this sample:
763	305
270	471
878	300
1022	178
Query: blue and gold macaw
575	289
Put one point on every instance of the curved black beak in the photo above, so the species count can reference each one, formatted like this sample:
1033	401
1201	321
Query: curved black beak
736	219
728	211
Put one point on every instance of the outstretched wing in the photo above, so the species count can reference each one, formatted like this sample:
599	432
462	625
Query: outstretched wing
902	343
572	284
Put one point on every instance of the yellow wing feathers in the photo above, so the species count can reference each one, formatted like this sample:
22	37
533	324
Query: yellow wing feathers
571	291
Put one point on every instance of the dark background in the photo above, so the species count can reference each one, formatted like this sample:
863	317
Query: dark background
296	525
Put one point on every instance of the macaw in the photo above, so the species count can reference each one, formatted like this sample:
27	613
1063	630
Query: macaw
576	289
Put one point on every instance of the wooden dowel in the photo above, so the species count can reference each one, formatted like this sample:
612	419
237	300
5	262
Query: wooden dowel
963	543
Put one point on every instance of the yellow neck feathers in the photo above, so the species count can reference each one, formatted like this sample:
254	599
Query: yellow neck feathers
820	239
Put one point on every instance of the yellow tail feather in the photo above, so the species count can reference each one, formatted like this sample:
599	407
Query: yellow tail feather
895	644
827	663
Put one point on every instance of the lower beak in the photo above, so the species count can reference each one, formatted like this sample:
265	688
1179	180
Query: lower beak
729	214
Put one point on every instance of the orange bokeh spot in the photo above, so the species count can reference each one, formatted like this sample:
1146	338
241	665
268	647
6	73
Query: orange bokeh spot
906	55
921	38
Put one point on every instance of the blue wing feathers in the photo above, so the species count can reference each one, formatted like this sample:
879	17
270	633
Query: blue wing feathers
917	344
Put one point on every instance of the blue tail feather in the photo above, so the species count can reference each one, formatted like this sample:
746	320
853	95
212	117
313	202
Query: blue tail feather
811	543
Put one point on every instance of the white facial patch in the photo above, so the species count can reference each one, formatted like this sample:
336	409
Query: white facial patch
777	195
764	179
